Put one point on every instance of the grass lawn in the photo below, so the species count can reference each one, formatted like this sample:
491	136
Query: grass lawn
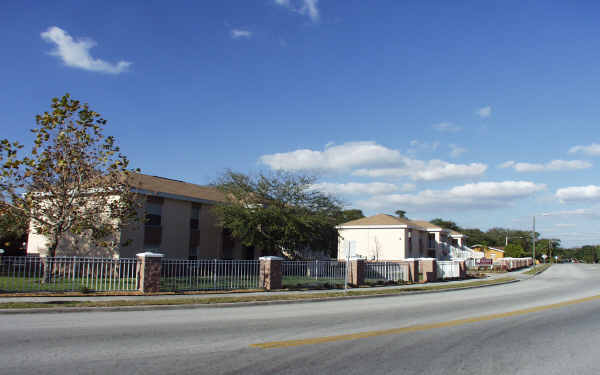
307	281
208	283
35	284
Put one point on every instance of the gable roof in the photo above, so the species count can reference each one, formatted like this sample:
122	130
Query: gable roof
162	186
380	219
426	224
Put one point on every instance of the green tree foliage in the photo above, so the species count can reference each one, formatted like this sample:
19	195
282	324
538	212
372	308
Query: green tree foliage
496	237
446	224
279	212
74	180
401	213
349	215
548	247
589	254
13	230
515	251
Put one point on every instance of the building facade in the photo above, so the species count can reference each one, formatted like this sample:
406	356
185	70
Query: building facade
176	219
386	237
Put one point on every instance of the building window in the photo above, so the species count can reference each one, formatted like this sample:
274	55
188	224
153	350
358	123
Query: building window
194	232
227	243
153	213
153	229
431	240
195	217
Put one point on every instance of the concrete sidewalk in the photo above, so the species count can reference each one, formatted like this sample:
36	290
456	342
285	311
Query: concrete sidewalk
201	295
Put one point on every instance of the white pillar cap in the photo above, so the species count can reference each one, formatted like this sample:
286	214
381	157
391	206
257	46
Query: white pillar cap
270	257
149	254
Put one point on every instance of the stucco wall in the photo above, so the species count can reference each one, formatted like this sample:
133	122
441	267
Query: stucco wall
134	235
175	222
380	243
72	245
211	239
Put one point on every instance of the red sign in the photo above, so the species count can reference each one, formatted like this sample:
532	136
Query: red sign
485	261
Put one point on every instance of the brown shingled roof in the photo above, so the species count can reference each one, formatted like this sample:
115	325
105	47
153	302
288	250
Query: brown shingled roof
157	184
380	219
426	224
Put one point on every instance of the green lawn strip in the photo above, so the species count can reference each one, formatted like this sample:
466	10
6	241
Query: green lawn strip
538	269
254	298
35	284
305	282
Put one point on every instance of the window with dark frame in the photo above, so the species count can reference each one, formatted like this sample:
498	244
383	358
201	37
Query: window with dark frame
153	213
153	228
194	232
195	217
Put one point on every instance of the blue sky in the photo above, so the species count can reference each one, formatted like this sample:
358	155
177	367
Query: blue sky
485	113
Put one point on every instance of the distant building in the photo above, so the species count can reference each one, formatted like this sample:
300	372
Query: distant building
178	223
489	252
386	237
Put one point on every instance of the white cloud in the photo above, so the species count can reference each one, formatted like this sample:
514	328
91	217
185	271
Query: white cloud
447	127
333	158
478	195
76	53
408	187
375	160
418	146
591	150
456	151
565	225
552	166
352	188
579	193
305	7
576	212
484	112
238	33
427	170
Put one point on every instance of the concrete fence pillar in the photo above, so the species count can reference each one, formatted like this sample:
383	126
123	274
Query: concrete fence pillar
270	272
428	268
357	272
148	272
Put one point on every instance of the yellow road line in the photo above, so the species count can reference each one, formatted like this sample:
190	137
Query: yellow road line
419	327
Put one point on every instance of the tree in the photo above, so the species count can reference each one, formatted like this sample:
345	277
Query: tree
278	212
446	224
349	215
514	251
589	254
13	230
74	181
547	246
401	214
377	249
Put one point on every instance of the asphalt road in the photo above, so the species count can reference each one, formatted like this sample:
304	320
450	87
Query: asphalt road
545	325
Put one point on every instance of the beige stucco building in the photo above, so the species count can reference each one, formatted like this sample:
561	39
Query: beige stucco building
386	237
178	223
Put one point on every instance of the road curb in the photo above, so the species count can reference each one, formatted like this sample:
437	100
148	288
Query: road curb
57	310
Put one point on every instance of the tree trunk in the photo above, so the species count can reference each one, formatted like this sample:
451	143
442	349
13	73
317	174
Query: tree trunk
48	264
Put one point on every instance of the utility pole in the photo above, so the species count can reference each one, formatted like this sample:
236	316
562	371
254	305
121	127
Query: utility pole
506	242
533	240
